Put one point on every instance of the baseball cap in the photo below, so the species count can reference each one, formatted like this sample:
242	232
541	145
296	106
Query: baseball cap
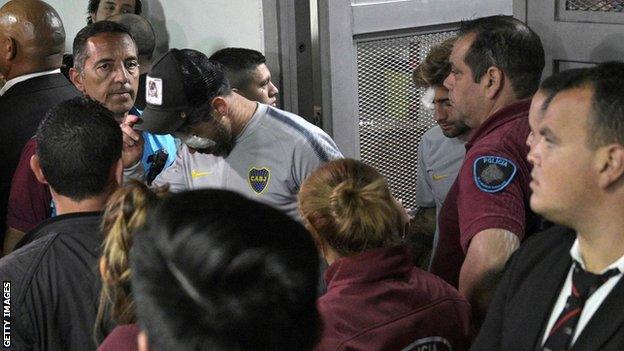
179	81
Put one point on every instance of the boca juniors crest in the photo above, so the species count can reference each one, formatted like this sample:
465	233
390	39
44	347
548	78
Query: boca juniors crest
259	179
493	173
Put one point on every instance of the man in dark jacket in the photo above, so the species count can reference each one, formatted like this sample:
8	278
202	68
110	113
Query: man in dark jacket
33	42
563	289
53	282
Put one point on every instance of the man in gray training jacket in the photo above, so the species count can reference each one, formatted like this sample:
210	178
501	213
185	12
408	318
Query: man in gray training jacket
230	142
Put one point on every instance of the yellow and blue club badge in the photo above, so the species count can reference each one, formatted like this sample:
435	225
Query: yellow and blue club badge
259	179
493	173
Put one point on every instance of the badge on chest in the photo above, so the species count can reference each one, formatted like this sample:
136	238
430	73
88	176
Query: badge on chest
259	179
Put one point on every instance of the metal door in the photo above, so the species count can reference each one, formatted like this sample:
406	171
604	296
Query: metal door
577	33
368	51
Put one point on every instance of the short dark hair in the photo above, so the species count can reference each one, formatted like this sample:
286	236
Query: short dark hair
239	63
78	144
434	69
606	80
510	45
217	271
94	4
92	30
203	80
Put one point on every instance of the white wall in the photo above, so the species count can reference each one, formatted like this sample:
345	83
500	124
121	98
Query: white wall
204	25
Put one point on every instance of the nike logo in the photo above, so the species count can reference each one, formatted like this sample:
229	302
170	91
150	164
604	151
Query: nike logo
197	174
439	176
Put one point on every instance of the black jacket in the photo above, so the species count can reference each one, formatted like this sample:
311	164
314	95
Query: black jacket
22	107
55	285
528	291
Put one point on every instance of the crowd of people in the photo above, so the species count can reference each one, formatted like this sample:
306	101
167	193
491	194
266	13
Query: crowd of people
162	203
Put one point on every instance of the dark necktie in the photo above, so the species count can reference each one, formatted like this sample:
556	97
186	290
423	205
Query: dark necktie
584	284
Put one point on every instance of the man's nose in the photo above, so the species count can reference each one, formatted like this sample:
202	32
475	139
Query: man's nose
449	81
532	156
273	89
121	74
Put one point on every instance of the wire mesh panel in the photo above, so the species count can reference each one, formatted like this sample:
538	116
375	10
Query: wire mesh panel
595	5
391	116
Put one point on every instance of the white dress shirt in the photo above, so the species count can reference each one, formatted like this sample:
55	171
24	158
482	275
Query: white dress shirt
594	301
11	82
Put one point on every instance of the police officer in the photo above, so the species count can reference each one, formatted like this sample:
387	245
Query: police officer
562	287
496	64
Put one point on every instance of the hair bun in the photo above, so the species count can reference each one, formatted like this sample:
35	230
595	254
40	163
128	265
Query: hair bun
345	198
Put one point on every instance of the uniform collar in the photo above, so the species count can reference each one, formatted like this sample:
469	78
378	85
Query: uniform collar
370	266
508	113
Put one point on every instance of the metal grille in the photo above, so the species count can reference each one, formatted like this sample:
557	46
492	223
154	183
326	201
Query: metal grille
391	116
595	5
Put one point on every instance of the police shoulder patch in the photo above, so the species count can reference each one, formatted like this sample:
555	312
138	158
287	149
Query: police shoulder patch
259	179
493	173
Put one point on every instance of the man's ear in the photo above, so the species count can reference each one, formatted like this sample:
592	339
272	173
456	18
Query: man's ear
35	166
10	48
610	162
77	79
220	106
493	81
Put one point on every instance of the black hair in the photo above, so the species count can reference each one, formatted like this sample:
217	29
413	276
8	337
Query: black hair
203	80
606	80
94	4
510	45
239	63
213	270
562	79
78	144
92	30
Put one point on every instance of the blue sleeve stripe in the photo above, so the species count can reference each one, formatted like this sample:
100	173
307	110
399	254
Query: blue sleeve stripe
322	148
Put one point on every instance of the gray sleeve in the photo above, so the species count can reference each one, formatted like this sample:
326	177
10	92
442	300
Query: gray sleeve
134	172
424	192
174	175
308	155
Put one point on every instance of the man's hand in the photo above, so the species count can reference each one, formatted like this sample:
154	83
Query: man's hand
132	142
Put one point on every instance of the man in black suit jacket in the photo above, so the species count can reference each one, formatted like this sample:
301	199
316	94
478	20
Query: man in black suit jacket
31	52
577	152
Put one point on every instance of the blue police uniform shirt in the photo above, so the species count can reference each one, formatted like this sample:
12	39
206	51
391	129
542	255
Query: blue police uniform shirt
154	143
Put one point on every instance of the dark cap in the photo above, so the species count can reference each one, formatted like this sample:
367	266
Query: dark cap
179	82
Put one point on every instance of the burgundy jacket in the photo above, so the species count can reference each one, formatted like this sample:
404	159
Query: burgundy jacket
377	300
122	338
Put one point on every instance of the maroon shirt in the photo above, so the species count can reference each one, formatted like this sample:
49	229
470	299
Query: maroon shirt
472	206
122	338
29	200
377	300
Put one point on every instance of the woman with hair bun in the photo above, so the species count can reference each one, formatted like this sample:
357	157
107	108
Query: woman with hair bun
376	299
